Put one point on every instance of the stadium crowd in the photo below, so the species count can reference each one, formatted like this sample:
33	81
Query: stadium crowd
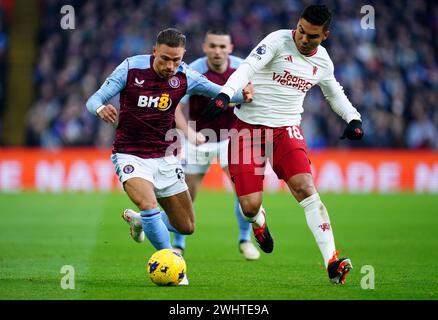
3	52
390	73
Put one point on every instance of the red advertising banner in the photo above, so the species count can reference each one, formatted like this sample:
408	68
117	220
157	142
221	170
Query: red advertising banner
89	170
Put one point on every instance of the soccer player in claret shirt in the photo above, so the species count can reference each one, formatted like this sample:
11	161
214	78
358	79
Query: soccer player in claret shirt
282	68
217	66
150	88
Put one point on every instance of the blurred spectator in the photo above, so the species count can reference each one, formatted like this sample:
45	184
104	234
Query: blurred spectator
384	71
421	132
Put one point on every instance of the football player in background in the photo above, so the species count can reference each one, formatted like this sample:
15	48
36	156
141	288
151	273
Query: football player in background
217	65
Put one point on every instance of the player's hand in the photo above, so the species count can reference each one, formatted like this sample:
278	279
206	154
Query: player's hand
108	114
353	131
216	106
196	138
248	92
200	138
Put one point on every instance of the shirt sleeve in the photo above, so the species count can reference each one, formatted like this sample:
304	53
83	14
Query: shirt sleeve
110	88
334	94
260	56
199	65
197	84
185	100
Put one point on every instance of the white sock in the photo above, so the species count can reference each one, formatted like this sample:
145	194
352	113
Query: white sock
319	223
258	220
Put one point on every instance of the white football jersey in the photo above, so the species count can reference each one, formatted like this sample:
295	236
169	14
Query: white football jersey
281	77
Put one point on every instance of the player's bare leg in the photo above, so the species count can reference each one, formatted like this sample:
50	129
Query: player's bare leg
246	247
141	193
180	211
193	182
251	205
155	223
303	189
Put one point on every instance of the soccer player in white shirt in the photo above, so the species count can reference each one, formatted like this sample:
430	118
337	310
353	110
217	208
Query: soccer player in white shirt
282	68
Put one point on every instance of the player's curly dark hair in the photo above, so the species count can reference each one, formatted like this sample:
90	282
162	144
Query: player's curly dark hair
171	37
318	15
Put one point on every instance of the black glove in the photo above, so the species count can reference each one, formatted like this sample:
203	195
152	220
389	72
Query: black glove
216	106
353	131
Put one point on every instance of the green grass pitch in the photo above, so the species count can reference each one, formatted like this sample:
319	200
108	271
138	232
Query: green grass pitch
395	234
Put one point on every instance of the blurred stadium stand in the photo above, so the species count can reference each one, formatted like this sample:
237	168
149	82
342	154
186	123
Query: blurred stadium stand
390	73
3	52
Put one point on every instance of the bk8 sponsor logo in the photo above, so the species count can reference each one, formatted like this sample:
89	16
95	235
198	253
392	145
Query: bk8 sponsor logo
162	102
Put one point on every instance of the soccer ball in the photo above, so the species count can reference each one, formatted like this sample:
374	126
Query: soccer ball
166	267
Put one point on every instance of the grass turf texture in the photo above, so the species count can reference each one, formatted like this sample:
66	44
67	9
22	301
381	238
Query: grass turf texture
395	234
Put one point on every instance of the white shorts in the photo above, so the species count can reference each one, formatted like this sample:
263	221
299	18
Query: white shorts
166	174
197	159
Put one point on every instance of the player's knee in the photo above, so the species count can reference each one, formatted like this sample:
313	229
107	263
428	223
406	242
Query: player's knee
187	229
304	190
145	205
251	207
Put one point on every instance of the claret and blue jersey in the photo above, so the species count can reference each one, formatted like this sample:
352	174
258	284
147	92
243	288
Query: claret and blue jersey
148	102
197	103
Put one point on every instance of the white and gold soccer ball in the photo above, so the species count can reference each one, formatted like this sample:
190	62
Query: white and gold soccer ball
166	267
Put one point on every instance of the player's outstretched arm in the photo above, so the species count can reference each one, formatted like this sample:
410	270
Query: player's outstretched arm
216	106
222	101
259	57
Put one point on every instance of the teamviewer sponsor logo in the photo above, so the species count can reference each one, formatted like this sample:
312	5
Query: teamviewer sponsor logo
289	80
